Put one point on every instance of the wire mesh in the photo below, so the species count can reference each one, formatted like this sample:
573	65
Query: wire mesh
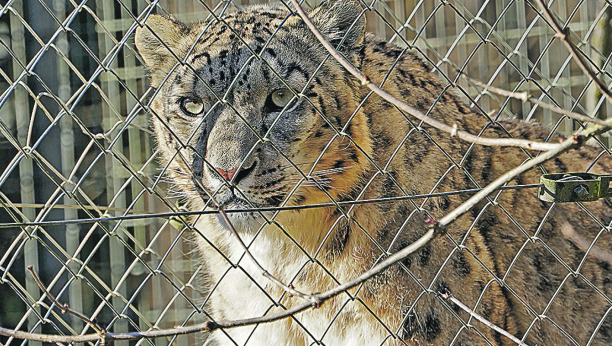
75	143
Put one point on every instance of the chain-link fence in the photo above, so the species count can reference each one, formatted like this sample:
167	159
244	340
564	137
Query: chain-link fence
75	144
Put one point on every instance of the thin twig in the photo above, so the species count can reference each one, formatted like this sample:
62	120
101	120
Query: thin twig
596	251
64	308
50	338
571	143
563	33
526	97
488	323
209	326
506	142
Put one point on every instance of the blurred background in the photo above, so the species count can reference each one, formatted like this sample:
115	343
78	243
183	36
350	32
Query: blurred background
75	141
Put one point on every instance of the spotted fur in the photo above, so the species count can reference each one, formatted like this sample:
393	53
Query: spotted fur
335	142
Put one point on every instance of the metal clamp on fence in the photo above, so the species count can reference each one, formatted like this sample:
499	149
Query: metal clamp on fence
574	187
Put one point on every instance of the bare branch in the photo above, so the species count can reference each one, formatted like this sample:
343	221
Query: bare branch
524	96
562	33
64	308
507	142
571	143
210	325
586	246
488	323
49	338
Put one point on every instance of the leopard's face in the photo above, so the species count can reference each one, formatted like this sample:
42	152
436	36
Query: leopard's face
255	114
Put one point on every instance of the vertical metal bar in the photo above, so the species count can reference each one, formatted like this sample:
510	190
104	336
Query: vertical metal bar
399	7
419	22
26	168
484	63
163	4
588	14
568	125
180	6
114	177
68	162
146	303
545	70
136	151
521	21
381	27
441	36
603	42
605	45
462	47
7	112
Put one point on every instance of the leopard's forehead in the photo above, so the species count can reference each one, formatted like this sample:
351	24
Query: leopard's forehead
168	45
253	27
249	51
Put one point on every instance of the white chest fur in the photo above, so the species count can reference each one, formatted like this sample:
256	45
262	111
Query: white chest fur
241	291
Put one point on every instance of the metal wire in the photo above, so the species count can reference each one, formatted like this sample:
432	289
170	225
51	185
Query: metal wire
82	199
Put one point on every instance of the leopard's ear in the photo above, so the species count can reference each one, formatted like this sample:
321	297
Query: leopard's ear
159	42
339	18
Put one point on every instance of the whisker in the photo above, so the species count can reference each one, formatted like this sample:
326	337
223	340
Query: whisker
332	170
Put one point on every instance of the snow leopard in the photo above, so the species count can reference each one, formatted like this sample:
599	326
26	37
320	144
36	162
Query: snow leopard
249	108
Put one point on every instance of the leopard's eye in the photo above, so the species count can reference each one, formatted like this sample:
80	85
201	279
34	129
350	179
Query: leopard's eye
280	98
191	107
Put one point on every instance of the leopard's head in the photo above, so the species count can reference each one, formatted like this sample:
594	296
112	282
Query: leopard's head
250	108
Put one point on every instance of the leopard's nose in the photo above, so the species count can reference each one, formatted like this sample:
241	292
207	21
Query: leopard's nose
236	174
228	175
